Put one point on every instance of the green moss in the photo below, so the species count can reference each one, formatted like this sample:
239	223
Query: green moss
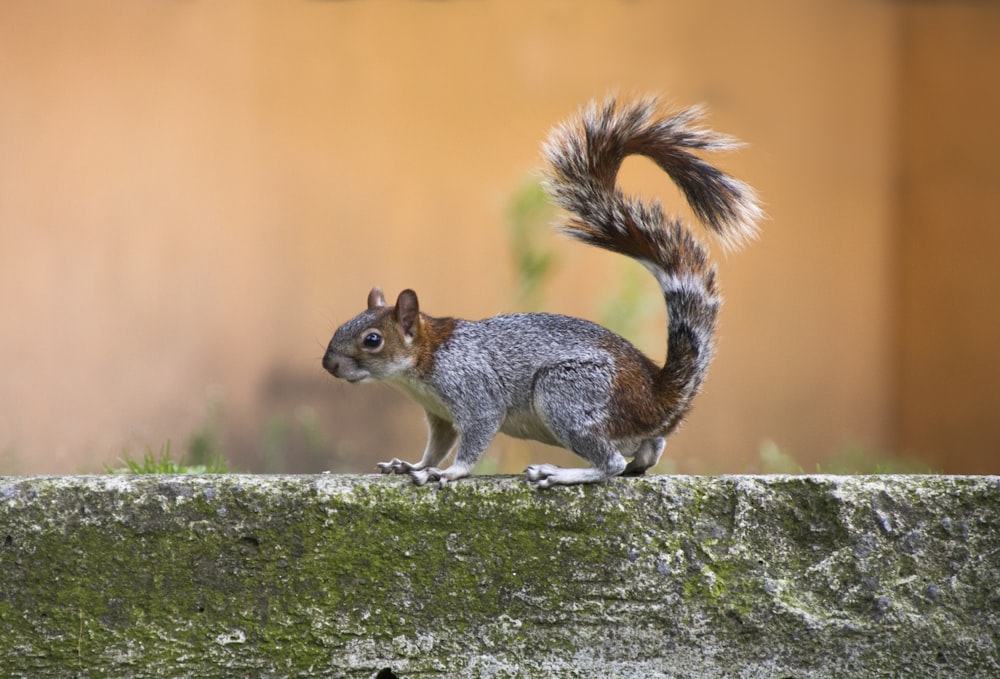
299	576
392	561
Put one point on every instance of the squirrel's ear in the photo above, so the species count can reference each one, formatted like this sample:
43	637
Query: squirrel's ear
407	312
375	298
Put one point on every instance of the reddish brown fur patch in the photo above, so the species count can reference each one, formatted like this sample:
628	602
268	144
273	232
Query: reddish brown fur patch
638	408
433	333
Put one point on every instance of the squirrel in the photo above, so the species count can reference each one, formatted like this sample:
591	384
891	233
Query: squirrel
561	380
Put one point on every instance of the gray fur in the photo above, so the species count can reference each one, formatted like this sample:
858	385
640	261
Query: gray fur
557	379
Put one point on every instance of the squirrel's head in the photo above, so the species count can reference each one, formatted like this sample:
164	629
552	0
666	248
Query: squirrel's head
380	343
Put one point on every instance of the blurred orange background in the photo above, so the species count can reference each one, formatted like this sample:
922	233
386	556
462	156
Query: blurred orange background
193	195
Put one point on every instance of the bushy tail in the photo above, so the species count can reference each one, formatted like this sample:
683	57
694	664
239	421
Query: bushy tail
584	155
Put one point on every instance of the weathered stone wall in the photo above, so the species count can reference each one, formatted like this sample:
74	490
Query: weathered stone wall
344	576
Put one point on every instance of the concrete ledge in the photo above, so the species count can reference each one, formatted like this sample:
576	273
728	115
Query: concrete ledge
344	576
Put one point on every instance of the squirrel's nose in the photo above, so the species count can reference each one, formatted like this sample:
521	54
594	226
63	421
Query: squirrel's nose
331	362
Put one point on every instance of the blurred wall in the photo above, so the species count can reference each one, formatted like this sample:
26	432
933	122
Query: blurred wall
194	195
949	284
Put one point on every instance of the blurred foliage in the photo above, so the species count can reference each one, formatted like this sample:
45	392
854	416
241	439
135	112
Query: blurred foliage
288	444
163	463
625	310
301	432
202	453
847	460
204	446
628	308
528	215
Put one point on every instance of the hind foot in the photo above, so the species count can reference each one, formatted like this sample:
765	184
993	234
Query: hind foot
548	475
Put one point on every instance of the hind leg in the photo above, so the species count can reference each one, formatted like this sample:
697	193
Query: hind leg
571	399
647	455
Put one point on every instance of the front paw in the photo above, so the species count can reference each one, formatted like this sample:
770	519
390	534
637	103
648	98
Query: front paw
396	466
421	477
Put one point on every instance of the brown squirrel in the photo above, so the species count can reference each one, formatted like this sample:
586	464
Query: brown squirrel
557	379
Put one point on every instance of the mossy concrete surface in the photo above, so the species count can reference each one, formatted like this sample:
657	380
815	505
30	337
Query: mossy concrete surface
344	576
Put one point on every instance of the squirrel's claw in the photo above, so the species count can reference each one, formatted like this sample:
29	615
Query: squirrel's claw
539	475
396	466
442	476
420	476
423	476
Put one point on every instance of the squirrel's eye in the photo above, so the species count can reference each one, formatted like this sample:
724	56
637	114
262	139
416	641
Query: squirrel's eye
372	340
